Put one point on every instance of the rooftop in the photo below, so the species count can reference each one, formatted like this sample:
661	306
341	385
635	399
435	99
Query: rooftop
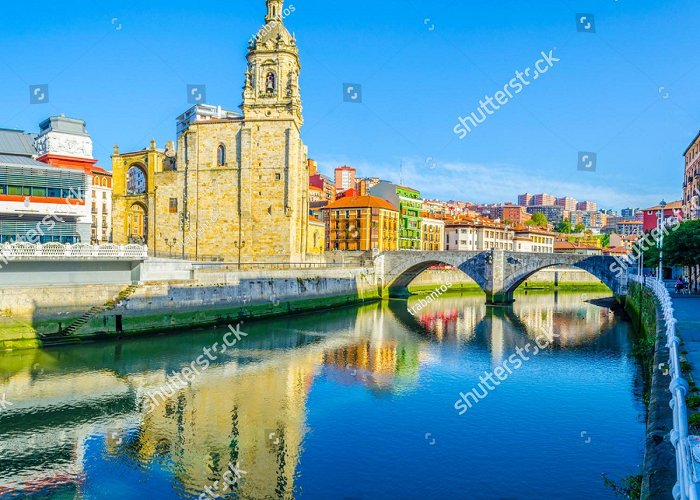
669	206
17	142
64	125
361	202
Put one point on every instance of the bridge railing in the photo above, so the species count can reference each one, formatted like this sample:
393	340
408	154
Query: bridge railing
31	251
687	487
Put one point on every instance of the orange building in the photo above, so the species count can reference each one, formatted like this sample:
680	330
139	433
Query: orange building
361	223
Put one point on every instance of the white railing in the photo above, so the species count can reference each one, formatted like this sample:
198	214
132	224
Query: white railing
687	487
29	251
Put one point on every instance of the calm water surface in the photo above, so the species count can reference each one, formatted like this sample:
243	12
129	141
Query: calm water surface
355	403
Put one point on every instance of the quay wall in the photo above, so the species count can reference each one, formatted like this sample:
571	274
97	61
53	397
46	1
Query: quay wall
659	467
33	316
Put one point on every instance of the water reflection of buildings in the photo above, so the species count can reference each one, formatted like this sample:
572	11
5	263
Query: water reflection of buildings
566	320
451	318
256	420
383	366
249	408
43	434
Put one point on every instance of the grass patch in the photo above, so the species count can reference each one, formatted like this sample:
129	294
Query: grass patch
694	420
628	487
693	402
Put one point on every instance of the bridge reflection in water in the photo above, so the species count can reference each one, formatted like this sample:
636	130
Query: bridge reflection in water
78	420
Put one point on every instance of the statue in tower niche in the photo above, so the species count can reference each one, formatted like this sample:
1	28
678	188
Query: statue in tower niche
270	83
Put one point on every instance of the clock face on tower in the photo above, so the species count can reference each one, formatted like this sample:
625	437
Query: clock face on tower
135	181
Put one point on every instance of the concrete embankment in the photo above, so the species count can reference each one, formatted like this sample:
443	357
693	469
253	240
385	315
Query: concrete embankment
659	468
36	316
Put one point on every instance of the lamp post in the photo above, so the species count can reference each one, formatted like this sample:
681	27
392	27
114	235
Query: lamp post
660	228
239	246
171	243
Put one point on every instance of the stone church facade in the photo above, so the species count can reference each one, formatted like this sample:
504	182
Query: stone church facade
236	187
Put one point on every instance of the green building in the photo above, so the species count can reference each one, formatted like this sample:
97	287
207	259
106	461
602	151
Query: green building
410	206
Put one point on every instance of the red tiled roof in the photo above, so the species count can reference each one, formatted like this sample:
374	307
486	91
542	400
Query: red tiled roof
360	202
670	206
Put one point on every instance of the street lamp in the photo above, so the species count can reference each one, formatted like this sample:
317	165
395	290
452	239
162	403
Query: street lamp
660	228
239	246
170	244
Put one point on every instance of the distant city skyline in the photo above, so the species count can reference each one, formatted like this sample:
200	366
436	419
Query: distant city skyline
614	92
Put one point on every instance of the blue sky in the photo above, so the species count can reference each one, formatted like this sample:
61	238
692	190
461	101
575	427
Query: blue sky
625	92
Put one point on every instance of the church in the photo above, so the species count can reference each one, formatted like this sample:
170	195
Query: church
236	186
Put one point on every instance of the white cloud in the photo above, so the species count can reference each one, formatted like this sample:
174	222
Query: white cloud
497	183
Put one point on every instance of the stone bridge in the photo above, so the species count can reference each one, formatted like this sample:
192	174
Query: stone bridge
497	272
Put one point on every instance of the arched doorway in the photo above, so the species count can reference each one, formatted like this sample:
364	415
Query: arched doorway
137	224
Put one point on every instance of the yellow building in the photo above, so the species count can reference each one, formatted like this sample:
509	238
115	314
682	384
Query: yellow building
432	234
317	236
236	187
361	223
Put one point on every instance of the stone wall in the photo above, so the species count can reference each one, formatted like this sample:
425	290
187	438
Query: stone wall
35	316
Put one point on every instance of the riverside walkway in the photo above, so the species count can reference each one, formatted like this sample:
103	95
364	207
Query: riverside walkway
686	310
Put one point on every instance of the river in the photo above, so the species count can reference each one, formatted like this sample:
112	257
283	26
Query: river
353	403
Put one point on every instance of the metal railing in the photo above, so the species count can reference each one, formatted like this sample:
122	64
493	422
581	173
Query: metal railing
254	266
686	487
30	251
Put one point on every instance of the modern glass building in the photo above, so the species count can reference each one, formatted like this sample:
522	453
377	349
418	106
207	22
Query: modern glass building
39	203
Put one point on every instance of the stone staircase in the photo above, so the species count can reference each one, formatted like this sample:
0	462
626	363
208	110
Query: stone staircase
94	311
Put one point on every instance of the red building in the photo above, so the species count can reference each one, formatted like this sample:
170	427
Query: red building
672	211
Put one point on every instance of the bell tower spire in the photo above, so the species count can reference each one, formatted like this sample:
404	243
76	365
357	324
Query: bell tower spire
271	89
274	11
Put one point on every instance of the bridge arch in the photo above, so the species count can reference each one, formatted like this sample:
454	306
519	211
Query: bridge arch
516	270
401	268
497	272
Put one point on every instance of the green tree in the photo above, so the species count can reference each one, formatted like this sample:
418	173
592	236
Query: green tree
563	226
605	240
538	219
682	246
580	228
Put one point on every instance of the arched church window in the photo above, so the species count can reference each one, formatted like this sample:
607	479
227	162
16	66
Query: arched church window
135	180
221	155
270	82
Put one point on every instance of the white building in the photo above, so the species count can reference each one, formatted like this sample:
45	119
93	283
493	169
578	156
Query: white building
64	142
534	241
477	236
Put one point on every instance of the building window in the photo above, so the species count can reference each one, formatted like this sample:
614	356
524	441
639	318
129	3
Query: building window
278	176
221	155
135	181
172	208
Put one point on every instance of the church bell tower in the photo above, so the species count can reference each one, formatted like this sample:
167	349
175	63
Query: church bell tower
271	89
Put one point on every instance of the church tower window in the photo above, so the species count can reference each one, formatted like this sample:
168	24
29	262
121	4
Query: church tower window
221	155
270	82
